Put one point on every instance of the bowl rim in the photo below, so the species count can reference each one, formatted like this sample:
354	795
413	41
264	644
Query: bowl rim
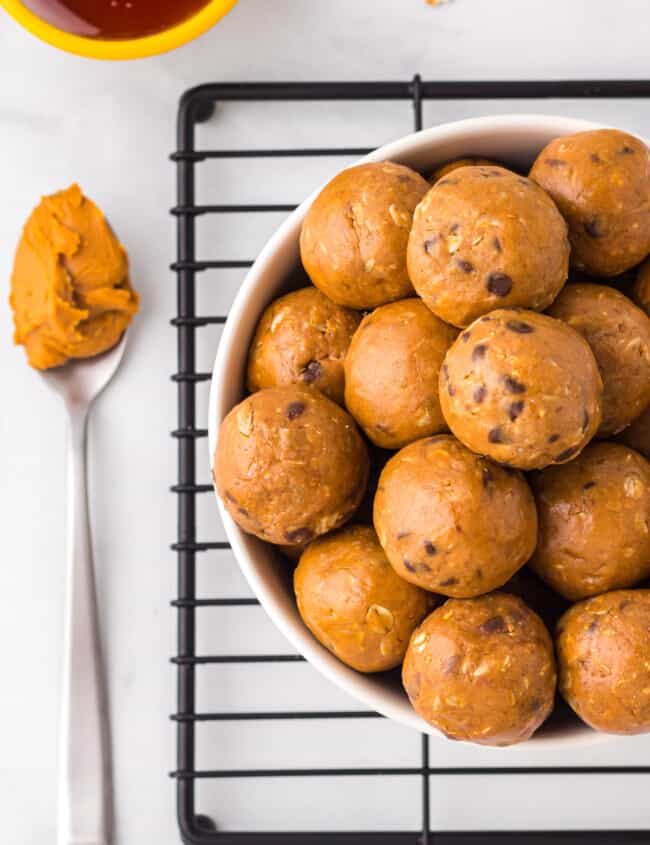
113	50
358	685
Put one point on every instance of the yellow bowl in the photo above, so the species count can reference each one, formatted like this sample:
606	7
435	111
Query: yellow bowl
135	48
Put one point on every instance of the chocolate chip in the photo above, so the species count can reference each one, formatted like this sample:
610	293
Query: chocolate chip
408	565
452	664
479	394
479	351
429	547
478	573
402	534
595	228
500	284
312	371
454	228
466	336
465	266
449	582
430	243
495	435
230	497
512	385
441	182
494	625
496	243
627	150
486	477
496	173
555	162
589	485
404	177
519	326
524	182
424	567
624	604
243	512
585	420
553	438
593	625
533	705
383	428
451	390
567	453
299	536
294	410
515	409
596	158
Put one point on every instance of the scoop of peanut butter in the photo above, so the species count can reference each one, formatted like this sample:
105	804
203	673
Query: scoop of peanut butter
70	288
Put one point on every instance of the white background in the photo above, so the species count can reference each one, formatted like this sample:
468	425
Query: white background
111	127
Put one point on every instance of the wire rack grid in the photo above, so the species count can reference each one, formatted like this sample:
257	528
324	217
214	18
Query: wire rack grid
196	107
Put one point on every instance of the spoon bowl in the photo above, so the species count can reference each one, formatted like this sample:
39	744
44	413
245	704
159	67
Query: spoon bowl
81	380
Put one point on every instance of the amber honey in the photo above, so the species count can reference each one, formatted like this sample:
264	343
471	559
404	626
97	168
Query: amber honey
115	20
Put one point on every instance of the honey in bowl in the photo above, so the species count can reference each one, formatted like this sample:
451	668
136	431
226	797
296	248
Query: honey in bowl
115	20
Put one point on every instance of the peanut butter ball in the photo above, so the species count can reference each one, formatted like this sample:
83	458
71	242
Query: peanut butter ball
353	239
353	602
522	388
637	434
600	180
391	373
450	166
641	288
619	336
482	670
453	522
594	521
486	238
290	465
604	671
302	338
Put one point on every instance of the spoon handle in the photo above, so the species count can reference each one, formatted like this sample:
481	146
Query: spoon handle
85	778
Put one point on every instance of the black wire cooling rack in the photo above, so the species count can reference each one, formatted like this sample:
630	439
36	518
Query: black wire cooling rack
197	106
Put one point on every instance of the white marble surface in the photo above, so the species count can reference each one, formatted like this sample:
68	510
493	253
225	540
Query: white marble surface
111	127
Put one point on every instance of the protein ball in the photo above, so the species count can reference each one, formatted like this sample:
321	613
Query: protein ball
353	239
290	465
619	336
453	522
600	180
486	238
637	435
450	166
594	519
391	373
604	671
353	602
522	388
641	287
482	670
302	338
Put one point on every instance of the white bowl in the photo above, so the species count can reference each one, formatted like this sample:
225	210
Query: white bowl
513	139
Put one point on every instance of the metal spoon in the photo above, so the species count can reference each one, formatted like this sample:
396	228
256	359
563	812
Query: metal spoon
85	788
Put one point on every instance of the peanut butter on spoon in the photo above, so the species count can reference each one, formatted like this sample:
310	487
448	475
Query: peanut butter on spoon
70	288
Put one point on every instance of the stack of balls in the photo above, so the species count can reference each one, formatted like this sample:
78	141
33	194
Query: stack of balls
450	429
